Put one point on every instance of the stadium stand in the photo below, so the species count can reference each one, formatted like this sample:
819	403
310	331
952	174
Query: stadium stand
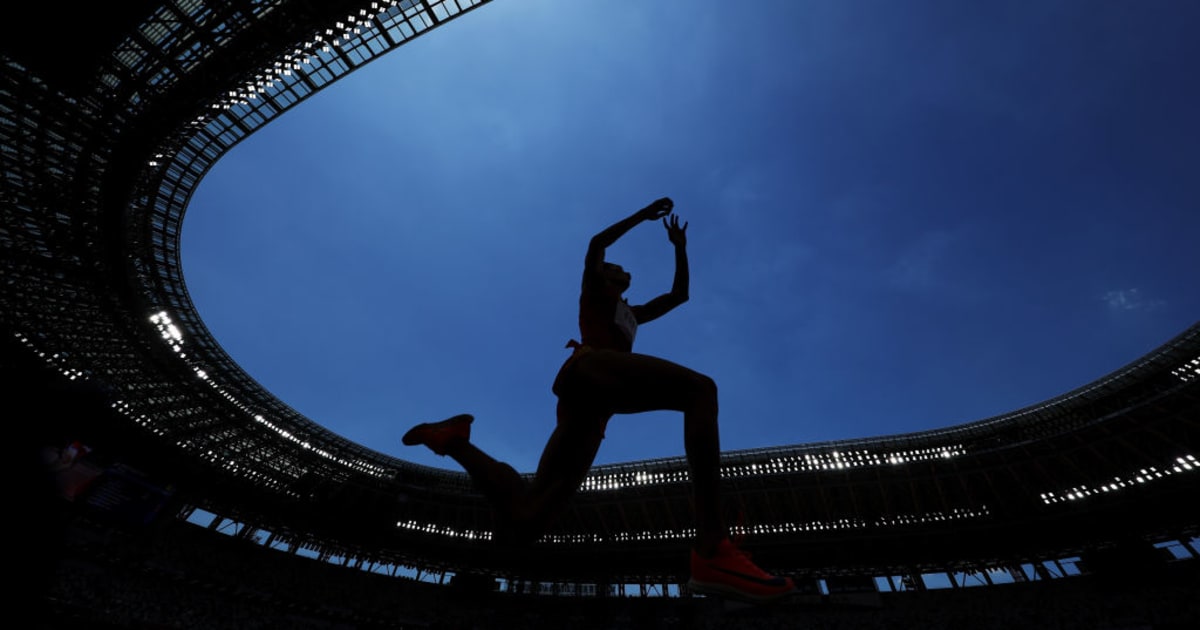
168	489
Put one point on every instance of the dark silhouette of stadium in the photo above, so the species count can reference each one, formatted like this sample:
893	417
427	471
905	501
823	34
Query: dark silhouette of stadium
134	424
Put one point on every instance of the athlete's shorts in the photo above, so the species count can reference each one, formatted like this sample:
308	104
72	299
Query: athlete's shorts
562	381
573	404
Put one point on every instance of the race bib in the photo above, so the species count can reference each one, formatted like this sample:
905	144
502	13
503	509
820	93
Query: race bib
626	320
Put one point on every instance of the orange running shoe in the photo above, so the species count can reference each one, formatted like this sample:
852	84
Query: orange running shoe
730	573
438	435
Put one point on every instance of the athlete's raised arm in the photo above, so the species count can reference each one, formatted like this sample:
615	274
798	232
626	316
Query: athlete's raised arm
663	304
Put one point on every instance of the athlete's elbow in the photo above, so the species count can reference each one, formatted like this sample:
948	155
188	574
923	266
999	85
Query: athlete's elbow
600	242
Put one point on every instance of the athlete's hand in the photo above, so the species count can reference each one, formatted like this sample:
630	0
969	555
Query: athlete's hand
657	210
675	233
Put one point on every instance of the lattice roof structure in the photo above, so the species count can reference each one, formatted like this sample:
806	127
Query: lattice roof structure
104	142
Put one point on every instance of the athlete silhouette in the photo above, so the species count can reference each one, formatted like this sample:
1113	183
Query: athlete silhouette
601	378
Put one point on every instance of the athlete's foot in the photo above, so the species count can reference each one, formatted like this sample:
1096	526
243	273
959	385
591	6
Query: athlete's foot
438	436
729	572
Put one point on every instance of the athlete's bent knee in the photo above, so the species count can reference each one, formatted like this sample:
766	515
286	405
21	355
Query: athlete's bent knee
703	388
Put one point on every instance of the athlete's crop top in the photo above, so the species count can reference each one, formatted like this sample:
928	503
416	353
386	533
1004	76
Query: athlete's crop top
606	321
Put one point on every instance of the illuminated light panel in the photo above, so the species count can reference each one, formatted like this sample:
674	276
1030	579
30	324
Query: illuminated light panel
58	359
1189	371
615	481
1182	464
761	529
840	460
784	465
384	16
173	337
443	530
224	462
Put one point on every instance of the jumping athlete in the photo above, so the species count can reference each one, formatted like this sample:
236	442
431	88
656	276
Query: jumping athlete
601	378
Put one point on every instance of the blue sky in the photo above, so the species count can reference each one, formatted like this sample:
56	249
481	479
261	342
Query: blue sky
903	215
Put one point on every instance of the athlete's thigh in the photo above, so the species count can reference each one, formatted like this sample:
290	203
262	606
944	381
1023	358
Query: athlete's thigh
572	447
627	382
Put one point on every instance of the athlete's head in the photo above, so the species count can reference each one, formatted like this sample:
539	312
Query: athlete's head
616	276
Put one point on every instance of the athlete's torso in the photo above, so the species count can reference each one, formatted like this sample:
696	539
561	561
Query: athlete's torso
606	321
